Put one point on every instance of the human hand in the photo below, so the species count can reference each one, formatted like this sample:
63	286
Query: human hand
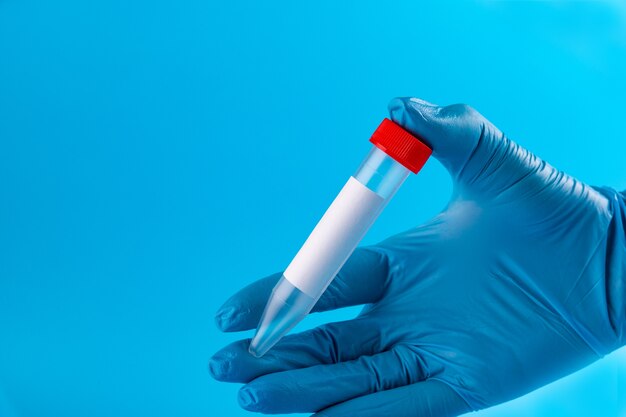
520	281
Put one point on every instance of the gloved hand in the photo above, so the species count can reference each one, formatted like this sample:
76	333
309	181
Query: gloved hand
520	281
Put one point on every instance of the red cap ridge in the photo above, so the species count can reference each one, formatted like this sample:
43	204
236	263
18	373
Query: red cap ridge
402	146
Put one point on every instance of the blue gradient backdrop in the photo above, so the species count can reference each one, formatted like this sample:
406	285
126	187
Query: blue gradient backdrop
156	156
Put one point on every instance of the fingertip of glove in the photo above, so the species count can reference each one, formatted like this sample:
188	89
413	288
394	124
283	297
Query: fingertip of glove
412	113
222	317
248	399
218	368
397	110
232	363
227	317
400	105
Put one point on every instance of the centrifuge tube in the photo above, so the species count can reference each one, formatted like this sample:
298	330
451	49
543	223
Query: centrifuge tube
394	154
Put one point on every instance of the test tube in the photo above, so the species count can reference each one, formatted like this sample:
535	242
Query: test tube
394	154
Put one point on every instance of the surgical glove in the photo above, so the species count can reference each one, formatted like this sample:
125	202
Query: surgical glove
520	281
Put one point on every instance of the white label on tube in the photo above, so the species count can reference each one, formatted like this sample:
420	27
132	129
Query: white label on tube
334	238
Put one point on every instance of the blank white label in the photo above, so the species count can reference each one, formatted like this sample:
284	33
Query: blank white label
337	234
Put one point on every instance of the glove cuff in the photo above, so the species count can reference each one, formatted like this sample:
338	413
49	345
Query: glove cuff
616	264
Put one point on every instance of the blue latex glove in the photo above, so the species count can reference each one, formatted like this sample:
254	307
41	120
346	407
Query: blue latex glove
520	281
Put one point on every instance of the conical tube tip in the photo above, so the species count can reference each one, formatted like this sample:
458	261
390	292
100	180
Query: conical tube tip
286	307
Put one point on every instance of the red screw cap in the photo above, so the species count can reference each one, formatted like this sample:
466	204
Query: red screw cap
401	145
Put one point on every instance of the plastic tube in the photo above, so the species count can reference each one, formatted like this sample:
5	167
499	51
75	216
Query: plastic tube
394	155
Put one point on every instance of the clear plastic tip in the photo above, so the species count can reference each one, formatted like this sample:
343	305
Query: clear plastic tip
286	307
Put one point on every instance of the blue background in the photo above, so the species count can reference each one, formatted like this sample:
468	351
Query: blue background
156	156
